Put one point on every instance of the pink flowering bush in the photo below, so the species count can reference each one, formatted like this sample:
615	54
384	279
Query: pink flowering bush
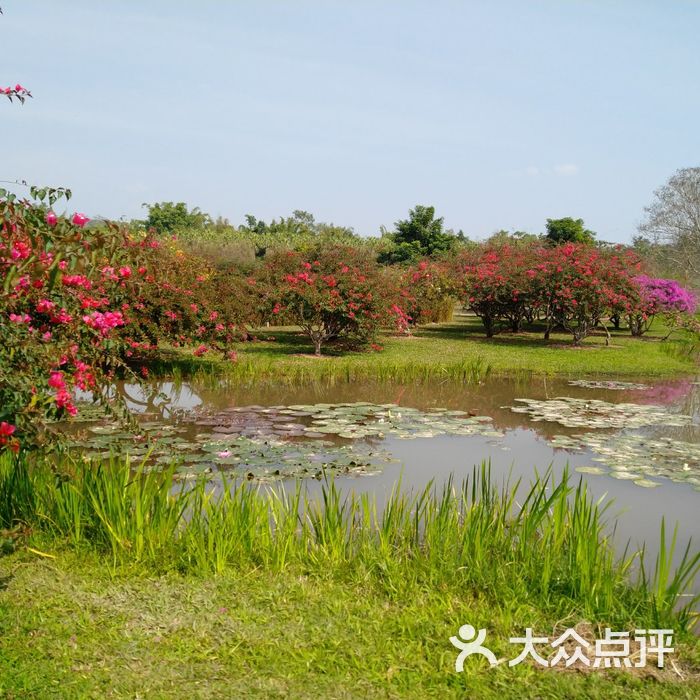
575	286
499	284
333	292
79	303
658	296
424	294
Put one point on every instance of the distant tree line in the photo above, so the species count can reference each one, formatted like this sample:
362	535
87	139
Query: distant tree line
669	237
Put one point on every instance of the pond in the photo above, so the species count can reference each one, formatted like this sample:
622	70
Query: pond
637	442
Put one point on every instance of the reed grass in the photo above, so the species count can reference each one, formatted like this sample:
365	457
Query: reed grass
266	371
546	544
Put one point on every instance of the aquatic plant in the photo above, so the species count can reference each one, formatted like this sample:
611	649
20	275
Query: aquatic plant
547	544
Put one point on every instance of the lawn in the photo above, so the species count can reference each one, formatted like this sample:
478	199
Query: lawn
457	350
106	593
70	629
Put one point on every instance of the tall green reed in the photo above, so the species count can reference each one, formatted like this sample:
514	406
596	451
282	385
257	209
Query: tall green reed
547	544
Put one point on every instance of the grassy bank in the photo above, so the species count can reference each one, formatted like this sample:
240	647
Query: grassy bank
456	351
110	592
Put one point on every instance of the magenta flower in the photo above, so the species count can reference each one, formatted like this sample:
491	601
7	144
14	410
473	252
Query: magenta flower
7	429
80	219
662	295
51	219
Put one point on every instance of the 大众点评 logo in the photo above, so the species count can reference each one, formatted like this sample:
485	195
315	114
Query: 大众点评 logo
613	650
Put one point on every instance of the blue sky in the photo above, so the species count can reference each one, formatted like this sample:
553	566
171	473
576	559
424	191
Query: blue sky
499	113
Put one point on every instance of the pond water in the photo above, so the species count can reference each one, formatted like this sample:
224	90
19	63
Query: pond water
636	442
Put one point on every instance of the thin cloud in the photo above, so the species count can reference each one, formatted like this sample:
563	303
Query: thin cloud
566	170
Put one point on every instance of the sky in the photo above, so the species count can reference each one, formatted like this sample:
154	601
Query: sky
499	113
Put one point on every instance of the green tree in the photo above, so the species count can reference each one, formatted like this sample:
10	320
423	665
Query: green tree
419	236
166	217
503	237
568	230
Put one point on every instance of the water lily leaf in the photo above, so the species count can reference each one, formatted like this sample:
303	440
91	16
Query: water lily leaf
591	470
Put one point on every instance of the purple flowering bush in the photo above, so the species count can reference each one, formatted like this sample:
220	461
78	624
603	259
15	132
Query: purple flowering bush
659	296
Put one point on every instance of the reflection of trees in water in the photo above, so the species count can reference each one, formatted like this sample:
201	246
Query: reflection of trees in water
174	399
158	399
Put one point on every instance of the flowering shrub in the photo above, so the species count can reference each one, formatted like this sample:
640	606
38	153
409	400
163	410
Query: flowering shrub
424	294
333	292
78	301
498	284
581	284
658	296
575	286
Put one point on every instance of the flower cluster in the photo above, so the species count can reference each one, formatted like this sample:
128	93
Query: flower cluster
18	92
78	304
658	296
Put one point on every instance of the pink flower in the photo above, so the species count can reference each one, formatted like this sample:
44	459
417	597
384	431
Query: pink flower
61	317
79	219
125	272
200	351
20	318
104	322
20	251
64	400
7	429
51	219
77	281
44	306
56	381
109	274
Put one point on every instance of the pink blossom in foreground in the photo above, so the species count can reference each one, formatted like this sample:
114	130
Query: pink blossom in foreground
104	322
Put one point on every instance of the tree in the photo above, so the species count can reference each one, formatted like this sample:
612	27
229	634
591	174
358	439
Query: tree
332	292
167	217
568	230
419	236
673	218
658	296
79	303
497	282
580	284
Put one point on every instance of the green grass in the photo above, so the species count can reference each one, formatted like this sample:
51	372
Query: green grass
110	592
456	351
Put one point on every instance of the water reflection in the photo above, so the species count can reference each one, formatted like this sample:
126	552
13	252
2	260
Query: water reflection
524	448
